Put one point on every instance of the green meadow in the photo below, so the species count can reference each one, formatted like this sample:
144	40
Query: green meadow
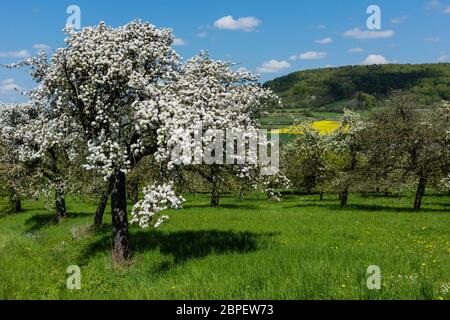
300	248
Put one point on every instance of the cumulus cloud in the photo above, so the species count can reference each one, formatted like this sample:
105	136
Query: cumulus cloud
41	47
15	54
247	24
356	33
375	59
355	50
273	66
310	55
179	42
324	41
9	86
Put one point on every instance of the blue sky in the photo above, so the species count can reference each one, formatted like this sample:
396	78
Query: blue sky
269	37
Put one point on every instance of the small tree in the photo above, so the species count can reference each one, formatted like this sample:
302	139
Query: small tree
307	159
347	144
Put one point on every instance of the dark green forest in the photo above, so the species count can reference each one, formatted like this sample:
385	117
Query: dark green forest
360	87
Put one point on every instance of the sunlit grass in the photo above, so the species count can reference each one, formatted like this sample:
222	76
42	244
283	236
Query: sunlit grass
301	248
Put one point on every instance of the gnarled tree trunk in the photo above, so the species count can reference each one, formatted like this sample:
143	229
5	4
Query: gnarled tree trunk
121	237
98	220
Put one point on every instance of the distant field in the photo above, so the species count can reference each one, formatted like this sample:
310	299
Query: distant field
301	248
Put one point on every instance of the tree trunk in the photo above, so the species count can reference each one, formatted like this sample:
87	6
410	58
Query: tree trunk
241	194
121	237
60	203
321	195
98	220
134	193
16	203
215	194
420	192
343	196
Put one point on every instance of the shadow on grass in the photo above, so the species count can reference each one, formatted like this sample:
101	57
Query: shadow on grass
362	207
224	206
184	245
40	221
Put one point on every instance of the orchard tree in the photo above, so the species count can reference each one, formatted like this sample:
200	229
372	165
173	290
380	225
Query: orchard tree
410	143
307	160
44	144
220	108
125	93
347	144
112	83
12	178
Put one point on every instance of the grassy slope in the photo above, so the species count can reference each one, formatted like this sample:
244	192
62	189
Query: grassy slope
297	249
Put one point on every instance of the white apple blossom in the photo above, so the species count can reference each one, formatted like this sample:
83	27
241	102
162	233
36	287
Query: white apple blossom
157	198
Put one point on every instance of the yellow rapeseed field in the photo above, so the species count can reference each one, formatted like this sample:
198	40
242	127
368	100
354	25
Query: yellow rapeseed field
324	126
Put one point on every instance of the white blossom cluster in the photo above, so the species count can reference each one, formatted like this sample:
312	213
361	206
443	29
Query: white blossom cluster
157	198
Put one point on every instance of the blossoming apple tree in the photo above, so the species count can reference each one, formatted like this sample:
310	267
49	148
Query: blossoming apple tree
125	92
217	121
42	145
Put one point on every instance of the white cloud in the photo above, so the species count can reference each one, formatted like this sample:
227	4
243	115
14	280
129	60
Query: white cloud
179	42
273	66
247	24
310	55
9	86
436	5
356	33
202	34
355	50
321	27
432	39
15	54
42	47
433	4
325	41
399	20
443	58
375	59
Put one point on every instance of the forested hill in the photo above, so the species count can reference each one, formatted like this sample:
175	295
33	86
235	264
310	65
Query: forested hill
329	88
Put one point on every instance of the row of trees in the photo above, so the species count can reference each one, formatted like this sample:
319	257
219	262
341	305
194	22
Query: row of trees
400	146
114	102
